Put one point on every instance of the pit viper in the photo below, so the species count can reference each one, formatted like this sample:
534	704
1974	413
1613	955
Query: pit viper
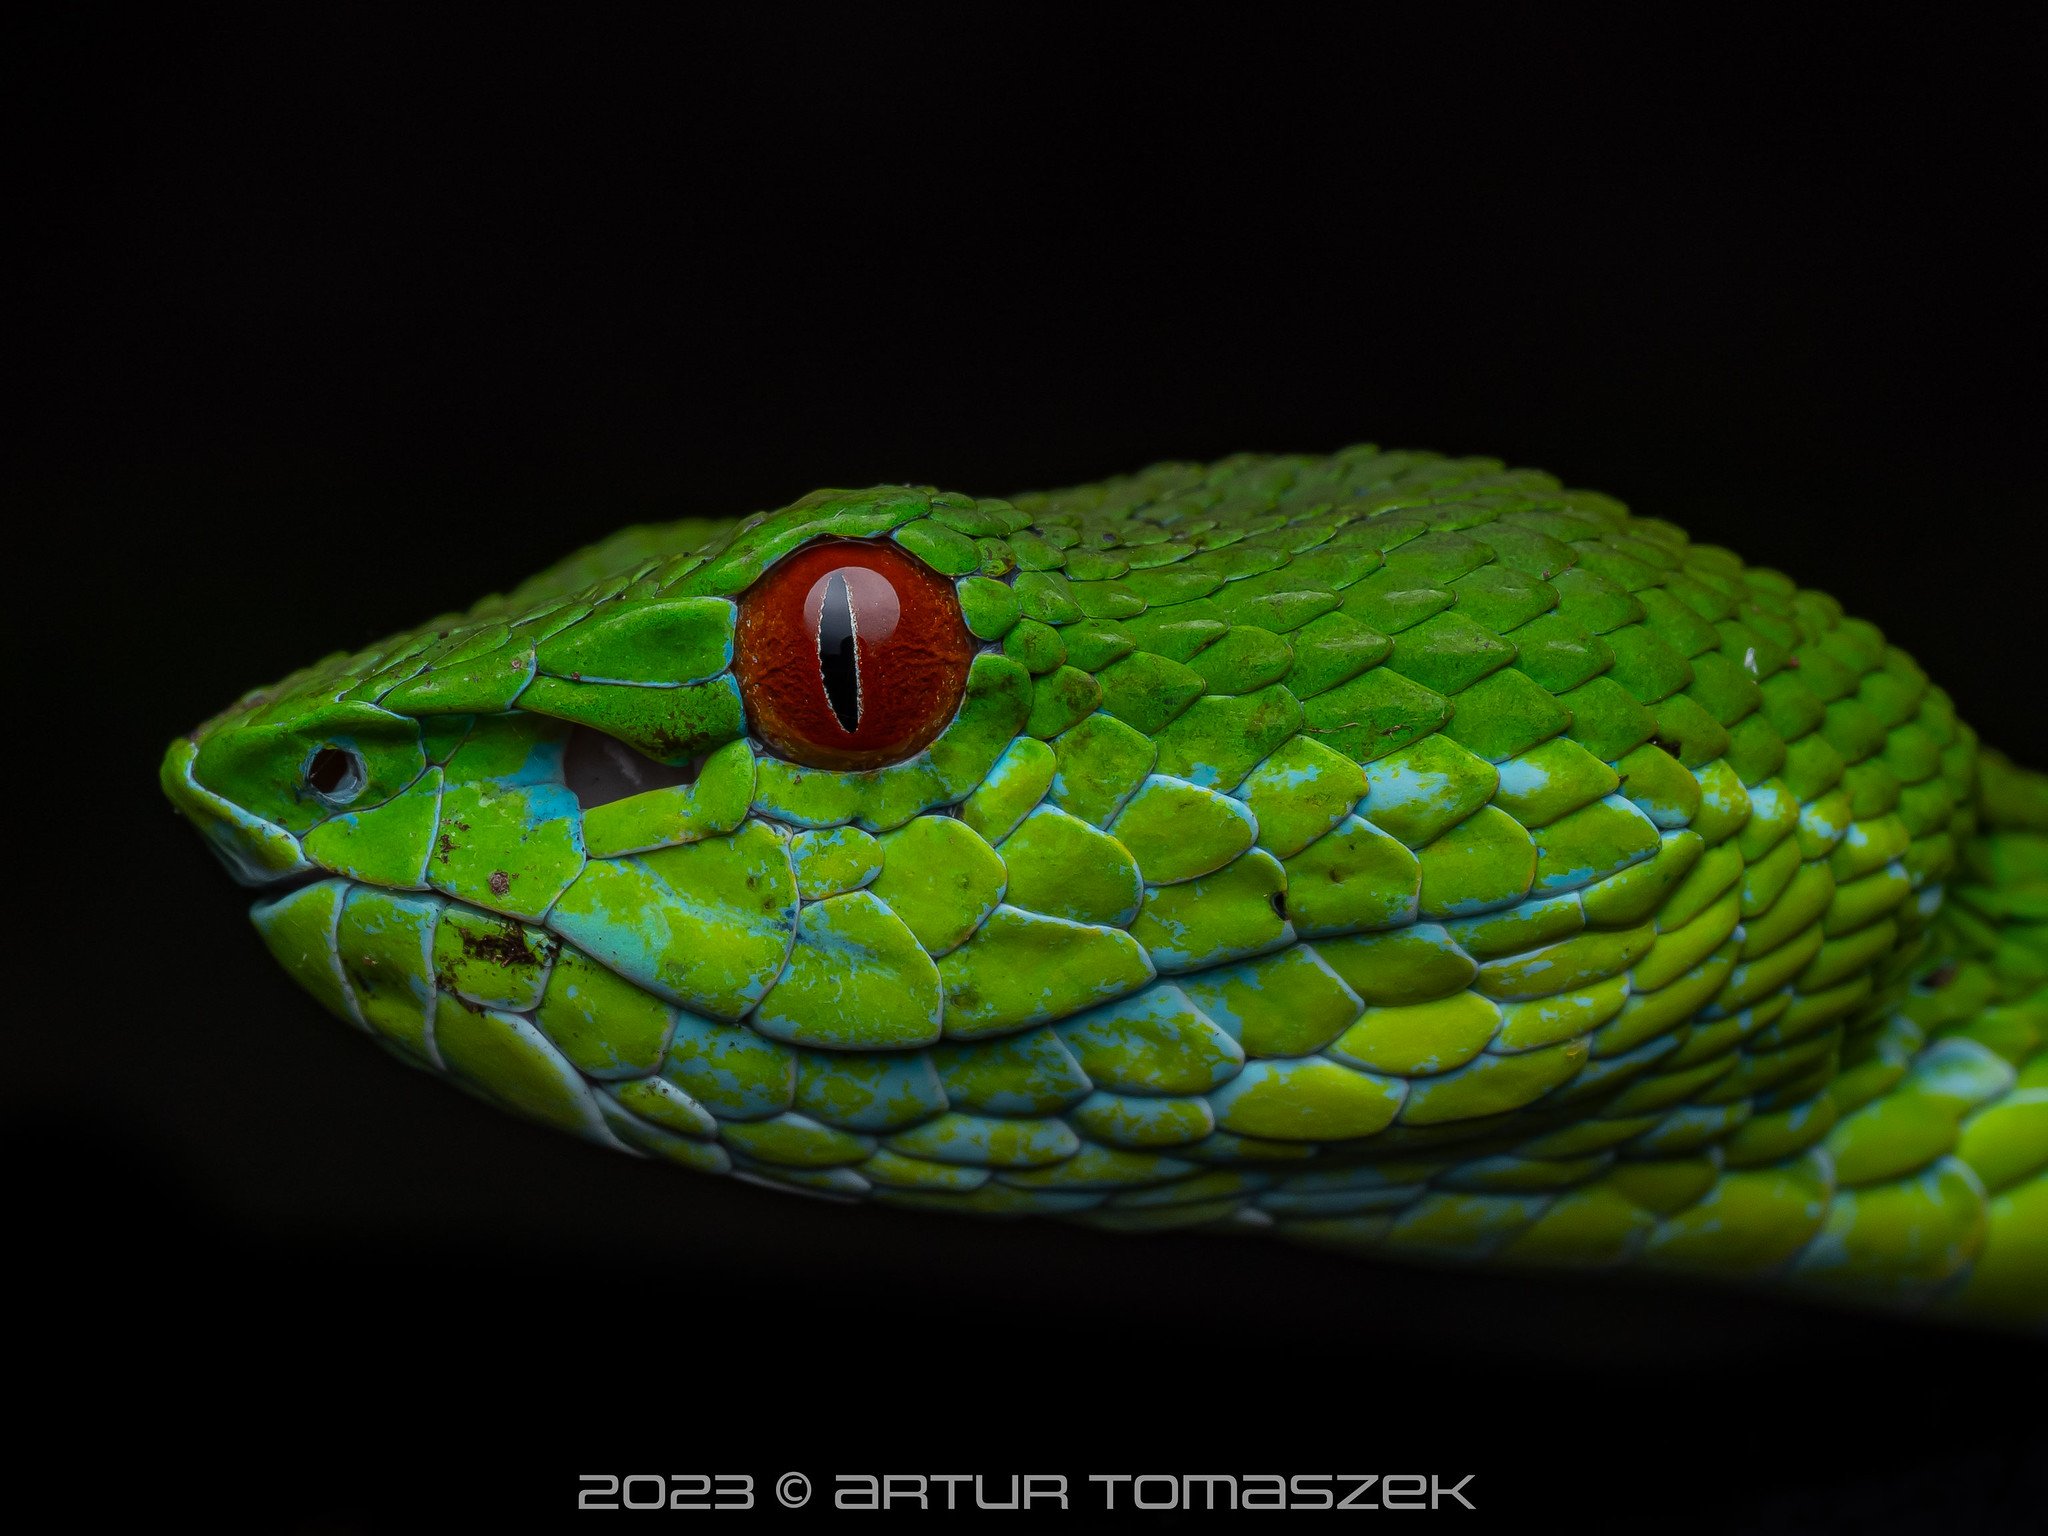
1387	850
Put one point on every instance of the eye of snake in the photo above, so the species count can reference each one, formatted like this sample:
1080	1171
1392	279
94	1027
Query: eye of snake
850	654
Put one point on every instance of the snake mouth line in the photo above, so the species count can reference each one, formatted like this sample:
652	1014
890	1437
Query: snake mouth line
298	880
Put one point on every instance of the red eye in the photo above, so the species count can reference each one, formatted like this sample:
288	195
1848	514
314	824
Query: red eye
850	654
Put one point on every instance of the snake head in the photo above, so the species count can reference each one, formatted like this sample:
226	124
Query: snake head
632	755
1281	842
536	845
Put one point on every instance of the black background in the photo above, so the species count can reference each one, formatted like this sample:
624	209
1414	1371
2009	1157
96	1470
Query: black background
326	329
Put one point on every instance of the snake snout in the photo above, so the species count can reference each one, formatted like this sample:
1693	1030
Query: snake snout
255	851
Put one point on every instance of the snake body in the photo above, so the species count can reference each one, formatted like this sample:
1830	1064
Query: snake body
1387	850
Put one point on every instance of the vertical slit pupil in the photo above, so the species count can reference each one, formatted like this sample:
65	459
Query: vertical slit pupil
838	658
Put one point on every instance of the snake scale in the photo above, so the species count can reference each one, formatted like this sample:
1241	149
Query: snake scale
1392	851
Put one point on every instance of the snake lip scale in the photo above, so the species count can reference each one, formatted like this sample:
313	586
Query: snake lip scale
1387	851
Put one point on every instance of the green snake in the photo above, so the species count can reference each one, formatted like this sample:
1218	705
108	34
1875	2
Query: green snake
1391	851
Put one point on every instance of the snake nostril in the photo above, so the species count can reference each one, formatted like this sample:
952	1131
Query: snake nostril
334	773
599	769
